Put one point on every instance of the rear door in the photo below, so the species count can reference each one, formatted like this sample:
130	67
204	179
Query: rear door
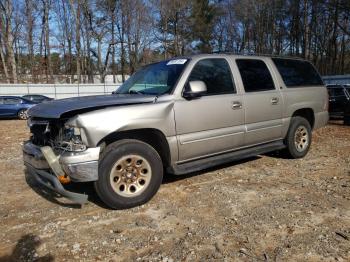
213	123
262	102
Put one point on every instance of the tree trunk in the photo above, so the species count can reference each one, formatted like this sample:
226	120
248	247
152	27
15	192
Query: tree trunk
47	40
9	40
30	24
78	42
3	60
99	59
113	47
306	30
77	37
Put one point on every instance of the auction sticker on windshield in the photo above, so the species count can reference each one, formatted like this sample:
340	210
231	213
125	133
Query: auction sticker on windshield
177	62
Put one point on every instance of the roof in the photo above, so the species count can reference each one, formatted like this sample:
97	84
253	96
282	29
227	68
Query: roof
10	97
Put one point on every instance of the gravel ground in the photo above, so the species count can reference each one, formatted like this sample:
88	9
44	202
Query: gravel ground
265	208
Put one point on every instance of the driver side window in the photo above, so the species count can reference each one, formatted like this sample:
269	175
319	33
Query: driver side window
216	74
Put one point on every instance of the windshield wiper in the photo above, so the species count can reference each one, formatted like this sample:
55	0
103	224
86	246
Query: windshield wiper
135	92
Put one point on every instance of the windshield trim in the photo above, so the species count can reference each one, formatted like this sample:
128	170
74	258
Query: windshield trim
182	73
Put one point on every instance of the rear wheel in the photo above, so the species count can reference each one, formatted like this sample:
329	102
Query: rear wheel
130	173
22	114
298	139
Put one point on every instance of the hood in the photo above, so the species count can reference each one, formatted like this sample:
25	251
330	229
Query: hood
56	108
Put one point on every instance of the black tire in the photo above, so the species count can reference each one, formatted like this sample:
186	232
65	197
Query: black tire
298	124
22	114
112	155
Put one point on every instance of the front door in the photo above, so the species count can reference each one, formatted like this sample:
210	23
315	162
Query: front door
213	123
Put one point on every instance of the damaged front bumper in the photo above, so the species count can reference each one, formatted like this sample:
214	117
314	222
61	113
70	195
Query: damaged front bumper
41	162
51	182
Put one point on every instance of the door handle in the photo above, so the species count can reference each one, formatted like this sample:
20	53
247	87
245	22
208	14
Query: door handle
274	100
236	105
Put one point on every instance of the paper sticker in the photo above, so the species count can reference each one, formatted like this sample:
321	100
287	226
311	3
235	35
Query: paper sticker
177	62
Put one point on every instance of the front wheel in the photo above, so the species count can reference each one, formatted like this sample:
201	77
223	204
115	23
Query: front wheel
298	139
130	173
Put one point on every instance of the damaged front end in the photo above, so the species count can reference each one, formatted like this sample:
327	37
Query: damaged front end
57	153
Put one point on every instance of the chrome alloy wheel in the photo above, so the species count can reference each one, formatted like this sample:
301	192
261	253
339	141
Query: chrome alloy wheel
23	114
130	175
301	138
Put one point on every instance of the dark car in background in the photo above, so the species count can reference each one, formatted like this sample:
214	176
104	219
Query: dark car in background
15	106
347	110
37	98
339	102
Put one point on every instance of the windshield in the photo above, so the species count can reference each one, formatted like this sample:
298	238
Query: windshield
155	79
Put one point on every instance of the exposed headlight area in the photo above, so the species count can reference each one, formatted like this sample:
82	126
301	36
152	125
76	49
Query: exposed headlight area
61	135
69	139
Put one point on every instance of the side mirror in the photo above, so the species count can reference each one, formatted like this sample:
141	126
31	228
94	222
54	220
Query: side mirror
195	89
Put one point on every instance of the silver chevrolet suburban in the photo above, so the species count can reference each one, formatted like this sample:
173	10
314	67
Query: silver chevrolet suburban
176	116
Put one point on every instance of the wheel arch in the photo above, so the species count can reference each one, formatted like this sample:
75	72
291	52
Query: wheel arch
21	109
307	113
151	136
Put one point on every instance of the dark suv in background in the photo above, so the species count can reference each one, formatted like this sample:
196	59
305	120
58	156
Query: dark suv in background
339	102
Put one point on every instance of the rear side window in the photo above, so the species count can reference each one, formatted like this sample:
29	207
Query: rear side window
12	101
255	75
297	73
336	92
216	74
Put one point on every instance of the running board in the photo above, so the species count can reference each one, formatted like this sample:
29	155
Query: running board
204	163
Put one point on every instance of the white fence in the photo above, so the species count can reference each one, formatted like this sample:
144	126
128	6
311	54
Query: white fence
57	91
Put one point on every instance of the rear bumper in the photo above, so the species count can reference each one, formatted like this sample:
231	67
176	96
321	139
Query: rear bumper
52	183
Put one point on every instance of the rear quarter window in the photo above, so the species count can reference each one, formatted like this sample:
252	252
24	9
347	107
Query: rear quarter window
297	73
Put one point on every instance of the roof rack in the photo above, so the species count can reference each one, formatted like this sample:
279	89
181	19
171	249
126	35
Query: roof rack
256	54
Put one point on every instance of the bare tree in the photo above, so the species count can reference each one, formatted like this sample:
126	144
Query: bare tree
30	44
100	37
76	12
7	35
45	40
3	60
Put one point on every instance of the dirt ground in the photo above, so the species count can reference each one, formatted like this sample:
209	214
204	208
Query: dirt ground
262	209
